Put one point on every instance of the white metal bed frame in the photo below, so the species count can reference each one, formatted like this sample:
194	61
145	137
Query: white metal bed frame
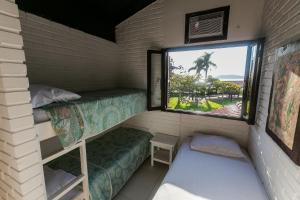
45	131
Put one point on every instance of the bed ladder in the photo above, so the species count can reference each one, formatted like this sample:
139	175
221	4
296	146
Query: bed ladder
83	178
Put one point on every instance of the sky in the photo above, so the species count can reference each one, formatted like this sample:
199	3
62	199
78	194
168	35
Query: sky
229	61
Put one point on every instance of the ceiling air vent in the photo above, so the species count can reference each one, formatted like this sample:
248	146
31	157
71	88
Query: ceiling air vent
207	25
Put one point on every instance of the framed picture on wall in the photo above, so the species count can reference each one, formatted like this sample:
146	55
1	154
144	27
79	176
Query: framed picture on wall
283	123
207	25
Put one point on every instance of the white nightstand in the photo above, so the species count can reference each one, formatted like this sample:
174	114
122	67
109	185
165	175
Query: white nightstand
162	148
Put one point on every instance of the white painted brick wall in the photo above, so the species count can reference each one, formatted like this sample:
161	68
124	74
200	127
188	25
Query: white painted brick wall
183	125
68	58
21	174
135	36
281	23
49	44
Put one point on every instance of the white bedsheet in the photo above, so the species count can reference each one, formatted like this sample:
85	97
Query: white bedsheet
200	176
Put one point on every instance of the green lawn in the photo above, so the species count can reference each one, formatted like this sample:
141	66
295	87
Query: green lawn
172	102
204	106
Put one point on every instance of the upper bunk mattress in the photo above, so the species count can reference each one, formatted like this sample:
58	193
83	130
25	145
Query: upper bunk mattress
201	176
94	113
111	160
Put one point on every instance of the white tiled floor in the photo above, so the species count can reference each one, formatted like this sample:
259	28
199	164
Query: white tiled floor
144	183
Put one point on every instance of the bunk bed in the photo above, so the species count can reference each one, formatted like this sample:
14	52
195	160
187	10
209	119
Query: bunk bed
88	116
72	123
111	160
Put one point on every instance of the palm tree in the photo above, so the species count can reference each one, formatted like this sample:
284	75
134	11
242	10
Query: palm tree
203	63
199	66
207	63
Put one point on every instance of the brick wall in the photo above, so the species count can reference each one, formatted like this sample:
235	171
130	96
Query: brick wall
281	24
68	58
21	174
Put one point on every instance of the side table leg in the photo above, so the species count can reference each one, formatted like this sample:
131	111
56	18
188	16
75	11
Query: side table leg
152	154
171	156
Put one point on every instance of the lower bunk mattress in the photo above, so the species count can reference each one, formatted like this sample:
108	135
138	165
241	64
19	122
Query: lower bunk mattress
111	159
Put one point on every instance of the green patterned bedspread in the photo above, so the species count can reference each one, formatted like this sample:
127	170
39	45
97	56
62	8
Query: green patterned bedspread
94	113
112	159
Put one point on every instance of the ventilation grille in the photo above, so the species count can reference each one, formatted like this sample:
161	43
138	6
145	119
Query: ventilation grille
206	25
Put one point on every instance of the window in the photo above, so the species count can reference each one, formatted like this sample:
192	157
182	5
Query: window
219	80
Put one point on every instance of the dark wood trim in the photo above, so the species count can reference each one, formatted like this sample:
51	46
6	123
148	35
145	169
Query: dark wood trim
149	79
212	46
255	88
246	82
293	153
149	72
256	81
226	10
164	79
296	147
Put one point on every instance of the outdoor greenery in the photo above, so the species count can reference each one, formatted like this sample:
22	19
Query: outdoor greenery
203	64
204	105
192	92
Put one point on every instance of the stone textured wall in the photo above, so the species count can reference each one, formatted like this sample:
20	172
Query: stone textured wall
281	24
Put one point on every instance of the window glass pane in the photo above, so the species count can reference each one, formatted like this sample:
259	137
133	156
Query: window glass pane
207	81
250	81
156	80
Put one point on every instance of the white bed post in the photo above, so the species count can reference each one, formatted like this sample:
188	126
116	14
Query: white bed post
84	171
152	153
21	172
171	156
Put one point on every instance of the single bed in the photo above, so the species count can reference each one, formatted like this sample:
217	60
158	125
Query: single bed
202	176
94	113
111	160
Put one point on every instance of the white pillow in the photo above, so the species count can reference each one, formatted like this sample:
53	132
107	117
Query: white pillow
42	95
217	145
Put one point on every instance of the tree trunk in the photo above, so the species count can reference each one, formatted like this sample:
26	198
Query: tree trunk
178	102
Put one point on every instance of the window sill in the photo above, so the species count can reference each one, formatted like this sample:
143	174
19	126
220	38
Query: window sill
204	114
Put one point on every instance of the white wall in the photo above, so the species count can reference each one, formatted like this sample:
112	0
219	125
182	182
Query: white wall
162	25
281	176
183	125
21	171
244	19
68	58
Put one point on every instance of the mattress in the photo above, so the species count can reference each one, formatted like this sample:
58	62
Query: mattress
111	160
94	113
200	176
